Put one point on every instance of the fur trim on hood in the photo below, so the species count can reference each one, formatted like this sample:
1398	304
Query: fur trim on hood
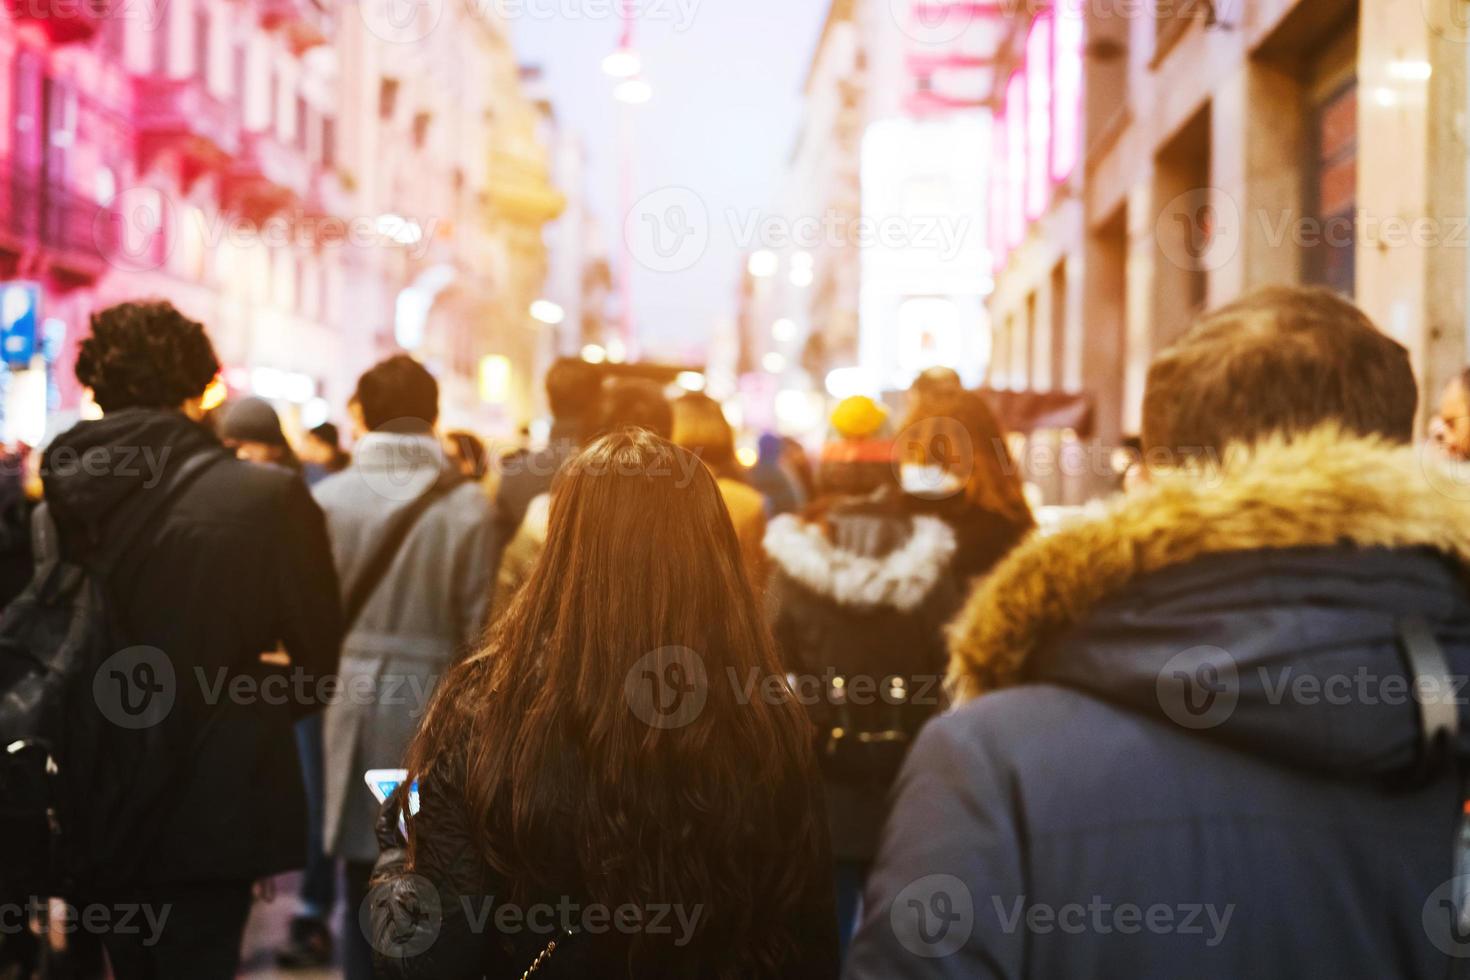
901	579
1322	489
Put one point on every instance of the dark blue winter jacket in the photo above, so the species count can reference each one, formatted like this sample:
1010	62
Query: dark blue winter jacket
1196	752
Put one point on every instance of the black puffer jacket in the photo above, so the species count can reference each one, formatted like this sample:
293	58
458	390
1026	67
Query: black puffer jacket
238	566
450	917
858	604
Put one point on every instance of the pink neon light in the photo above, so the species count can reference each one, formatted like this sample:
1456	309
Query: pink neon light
1016	170
1038	116
1066	86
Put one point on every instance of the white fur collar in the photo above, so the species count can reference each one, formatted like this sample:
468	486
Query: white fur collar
902	579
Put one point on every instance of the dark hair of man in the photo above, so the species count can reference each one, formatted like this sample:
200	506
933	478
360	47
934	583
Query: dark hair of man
572	390
563	782
145	355
635	402
399	394
1283	360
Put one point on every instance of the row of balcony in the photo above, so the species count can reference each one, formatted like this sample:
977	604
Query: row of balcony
56	228
259	174
304	24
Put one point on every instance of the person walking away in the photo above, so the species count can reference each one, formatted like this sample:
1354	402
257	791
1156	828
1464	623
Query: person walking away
859	593
773	479
1146	774
412	541
573	390
252	429
593	757
955	465
322	453
238	565
625	403
700	427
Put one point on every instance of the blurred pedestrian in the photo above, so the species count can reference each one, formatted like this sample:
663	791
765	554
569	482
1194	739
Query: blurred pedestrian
956	466
467	452
322	453
1452	426
412	540
184	815
795	460
934	382
771	476
700	426
1136	783
253	430
573	391
625	403
558	775
858	458
860	590
17	503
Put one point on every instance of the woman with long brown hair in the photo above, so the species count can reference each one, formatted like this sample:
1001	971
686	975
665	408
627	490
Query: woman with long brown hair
956	466
620	783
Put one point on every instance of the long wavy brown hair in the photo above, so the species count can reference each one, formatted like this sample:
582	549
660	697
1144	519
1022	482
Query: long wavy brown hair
957	430
572	785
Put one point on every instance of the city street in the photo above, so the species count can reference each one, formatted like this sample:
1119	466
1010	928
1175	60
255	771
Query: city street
746	489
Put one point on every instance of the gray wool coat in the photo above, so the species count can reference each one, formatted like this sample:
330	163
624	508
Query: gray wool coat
427	612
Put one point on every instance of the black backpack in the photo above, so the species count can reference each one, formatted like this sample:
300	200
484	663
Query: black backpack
78	782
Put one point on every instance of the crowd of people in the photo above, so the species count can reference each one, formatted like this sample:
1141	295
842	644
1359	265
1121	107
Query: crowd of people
663	714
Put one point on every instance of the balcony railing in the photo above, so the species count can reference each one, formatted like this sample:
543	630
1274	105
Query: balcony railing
268	176
64	21
305	24
180	115
73	235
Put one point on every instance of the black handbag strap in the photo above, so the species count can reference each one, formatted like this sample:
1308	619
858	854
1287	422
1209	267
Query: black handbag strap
402	525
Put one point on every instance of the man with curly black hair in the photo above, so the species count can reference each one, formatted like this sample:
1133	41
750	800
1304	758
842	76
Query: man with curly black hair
235	565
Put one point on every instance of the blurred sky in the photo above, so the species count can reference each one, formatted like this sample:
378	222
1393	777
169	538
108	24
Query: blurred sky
727	78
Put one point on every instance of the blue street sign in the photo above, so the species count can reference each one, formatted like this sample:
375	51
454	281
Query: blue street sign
20	314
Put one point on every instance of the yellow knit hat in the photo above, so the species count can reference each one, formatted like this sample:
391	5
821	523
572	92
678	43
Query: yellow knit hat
858	417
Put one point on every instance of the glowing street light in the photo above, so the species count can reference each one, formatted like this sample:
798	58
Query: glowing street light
784	330
763	263
774	362
622	63
594	354
548	312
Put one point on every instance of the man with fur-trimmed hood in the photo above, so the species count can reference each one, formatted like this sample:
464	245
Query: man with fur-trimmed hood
1217	733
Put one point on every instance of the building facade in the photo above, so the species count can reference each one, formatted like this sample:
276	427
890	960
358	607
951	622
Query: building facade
316	184
1227	147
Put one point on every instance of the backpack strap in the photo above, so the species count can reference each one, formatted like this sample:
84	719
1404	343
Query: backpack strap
399	528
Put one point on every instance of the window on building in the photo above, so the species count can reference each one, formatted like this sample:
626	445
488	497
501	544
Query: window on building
201	42
421	123
1059	326
329	141
25	117
1026	347
239	72
1331	171
303	124
61	131
387	97
158	38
